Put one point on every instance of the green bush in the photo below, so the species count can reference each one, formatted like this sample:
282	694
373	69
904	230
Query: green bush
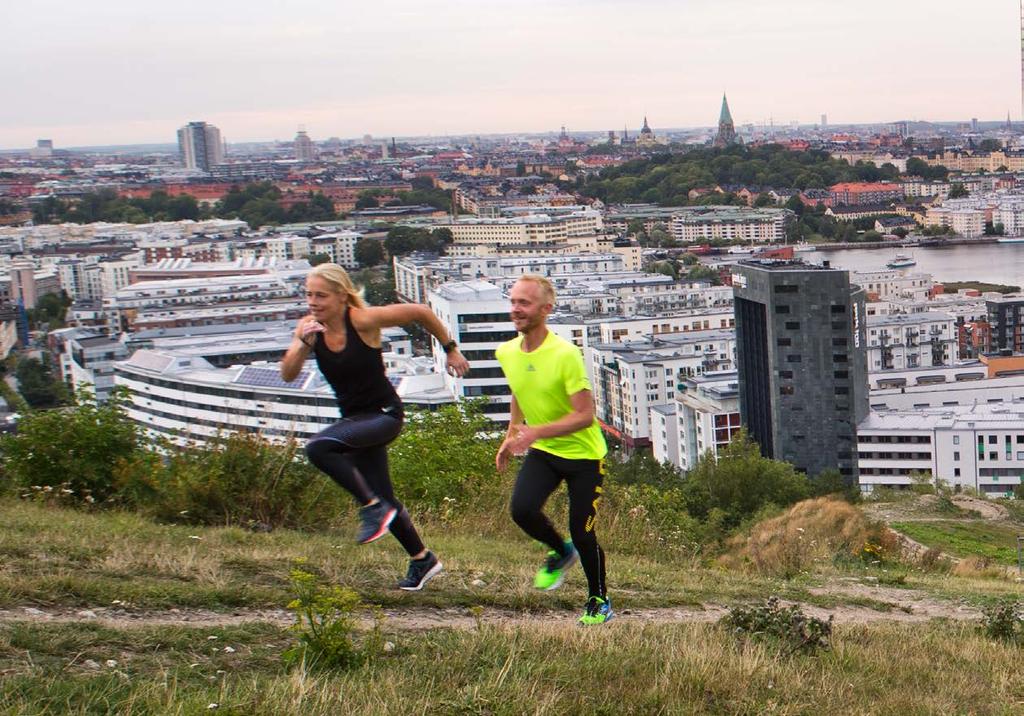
241	479
740	483
444	459
325	625
80	448
786	625
1002	620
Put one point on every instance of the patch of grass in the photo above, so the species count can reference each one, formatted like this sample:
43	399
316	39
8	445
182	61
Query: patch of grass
996	542
630	669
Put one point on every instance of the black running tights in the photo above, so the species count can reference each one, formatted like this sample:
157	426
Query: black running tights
539	476
353	452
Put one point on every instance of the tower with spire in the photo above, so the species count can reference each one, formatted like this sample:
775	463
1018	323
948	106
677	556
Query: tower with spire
726	129
646	138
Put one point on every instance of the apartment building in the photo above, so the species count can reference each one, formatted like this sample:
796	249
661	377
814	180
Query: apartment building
710	223
906	341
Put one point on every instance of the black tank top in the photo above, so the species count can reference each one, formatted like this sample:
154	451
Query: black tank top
356	373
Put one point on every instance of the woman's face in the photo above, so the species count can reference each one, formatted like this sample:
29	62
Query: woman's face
322	299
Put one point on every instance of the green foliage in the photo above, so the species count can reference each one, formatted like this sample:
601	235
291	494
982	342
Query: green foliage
325	625
445	457
740	483
402	240
788	626
378	287
1002	621
37	384
919	168
50	311
107	205
317	259
8	207
80	448
369	252
242	479
958	191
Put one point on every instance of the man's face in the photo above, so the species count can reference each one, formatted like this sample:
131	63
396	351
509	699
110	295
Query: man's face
529	308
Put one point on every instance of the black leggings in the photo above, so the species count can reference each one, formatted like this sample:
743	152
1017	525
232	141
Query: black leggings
539	476
354	453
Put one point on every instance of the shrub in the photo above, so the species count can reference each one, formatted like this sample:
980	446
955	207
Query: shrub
242	479
79	448
813	531
1002	620
325	625
444	456
740	482
786	625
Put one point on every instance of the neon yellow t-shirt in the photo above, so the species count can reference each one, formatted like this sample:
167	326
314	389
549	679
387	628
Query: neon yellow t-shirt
542	382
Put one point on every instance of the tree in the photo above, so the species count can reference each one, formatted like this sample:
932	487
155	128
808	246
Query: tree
369	252
317	259
38	386
958	191
81	447
990	145
741	482
901	232
8	207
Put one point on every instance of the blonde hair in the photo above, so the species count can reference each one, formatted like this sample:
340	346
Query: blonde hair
547	291
340	281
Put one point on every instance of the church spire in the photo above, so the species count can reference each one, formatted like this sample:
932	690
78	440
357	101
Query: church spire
725	117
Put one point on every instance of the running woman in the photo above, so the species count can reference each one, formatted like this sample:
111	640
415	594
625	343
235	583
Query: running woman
343	334
553	424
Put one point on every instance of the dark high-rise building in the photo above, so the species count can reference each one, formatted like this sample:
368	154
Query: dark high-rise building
726	129
200	146
802	360
1006	316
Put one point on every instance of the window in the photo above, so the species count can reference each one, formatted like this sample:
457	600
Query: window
838	325
795	358
842	390
840	374
837	309
785	288
784	342
781	309
992	439
785	390
785	374
839	358
993	455
839	342
792	325
956	472
956	455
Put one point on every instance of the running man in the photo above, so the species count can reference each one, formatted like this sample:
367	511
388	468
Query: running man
553	424
343	333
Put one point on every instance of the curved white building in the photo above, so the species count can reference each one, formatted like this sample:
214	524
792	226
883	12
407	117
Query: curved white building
182	397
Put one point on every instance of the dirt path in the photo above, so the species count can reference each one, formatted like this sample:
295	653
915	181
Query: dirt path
904	605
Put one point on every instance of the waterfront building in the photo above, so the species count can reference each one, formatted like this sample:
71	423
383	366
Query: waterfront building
800	346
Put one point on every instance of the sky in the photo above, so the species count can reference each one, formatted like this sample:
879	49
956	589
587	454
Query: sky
124	71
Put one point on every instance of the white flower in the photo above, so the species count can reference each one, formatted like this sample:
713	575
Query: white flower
112	663
229	650
212	637
211	707
389	646
194	537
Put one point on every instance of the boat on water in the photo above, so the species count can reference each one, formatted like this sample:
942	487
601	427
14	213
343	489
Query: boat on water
1011	240
901	261
803	246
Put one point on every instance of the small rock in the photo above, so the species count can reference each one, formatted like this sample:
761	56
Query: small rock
90	664
86	614
871	580
478	583
229	650
211	707
32	611
389	646
212	637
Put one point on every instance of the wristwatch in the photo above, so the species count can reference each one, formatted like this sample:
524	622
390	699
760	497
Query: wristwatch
450	346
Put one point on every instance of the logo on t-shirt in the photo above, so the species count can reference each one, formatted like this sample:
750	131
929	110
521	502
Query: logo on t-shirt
530	368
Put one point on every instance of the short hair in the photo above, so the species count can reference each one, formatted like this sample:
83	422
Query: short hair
340	281
546	289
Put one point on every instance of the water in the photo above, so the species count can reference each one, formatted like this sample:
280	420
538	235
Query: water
992	263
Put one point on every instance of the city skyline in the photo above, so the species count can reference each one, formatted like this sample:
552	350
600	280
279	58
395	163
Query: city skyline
119	73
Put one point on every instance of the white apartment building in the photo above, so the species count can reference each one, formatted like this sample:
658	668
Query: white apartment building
339	246
87	358
281	248
703	419
892	284
481	237
476	313
898	341
628	378
181	397
977	446
707	223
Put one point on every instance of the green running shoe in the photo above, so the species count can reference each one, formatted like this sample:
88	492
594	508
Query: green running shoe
598	611
552	574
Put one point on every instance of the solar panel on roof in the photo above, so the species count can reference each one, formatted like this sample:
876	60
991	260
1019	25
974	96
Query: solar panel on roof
269	377
150	360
